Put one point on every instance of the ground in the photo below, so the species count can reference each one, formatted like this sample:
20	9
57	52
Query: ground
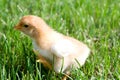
96	23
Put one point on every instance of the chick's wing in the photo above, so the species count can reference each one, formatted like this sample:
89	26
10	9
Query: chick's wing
63	48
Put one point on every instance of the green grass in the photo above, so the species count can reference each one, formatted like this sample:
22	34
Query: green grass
95	22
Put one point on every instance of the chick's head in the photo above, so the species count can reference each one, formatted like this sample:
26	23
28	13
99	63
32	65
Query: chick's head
30	25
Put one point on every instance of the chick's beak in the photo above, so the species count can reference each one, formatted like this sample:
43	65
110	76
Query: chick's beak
17	27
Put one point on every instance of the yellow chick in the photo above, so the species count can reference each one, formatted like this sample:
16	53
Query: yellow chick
55	49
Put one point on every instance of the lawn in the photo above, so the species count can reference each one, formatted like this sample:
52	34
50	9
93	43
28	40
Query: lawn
94	22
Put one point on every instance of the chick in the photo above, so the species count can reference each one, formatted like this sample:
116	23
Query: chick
55	49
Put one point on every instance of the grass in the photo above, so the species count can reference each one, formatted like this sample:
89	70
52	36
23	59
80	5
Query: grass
96	23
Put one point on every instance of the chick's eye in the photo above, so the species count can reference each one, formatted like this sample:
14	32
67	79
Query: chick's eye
25	25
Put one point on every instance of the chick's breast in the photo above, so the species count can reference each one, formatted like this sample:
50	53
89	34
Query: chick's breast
45	53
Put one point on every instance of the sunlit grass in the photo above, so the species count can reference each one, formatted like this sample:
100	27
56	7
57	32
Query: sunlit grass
96	23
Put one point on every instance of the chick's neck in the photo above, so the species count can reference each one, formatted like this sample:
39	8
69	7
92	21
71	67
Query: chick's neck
42	36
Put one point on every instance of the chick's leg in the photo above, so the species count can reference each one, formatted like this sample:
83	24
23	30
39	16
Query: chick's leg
66	75
42	60
61	66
